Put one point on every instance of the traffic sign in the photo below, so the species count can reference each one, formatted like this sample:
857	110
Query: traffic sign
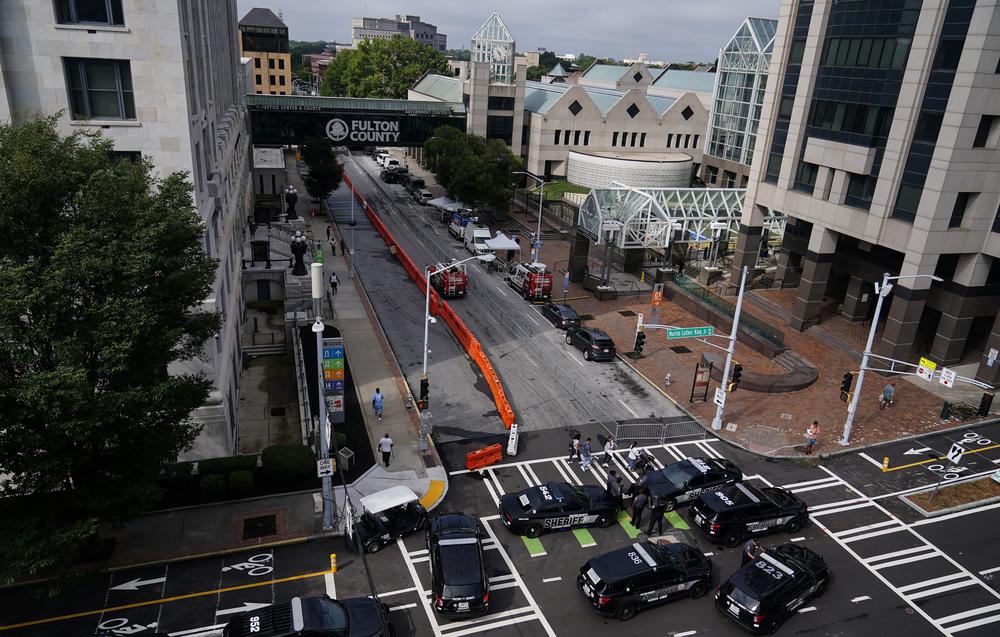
720	397
538	244
947	377
926	369
955	453
657	295
324	467
685	332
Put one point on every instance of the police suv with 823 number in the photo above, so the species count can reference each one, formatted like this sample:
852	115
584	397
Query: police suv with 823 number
765	591
730	514
622	582
554	506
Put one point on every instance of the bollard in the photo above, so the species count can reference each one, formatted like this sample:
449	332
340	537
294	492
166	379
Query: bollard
666	381
945	410
885	465
333	562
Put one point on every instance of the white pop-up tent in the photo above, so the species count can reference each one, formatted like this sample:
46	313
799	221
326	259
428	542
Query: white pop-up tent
502	242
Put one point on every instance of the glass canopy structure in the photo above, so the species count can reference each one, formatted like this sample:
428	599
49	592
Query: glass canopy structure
657	217
494	44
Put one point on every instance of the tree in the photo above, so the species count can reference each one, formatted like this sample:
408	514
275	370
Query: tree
583	61
535	73
102	269
459	54
325	173
547	60
473	169
380	68
300	69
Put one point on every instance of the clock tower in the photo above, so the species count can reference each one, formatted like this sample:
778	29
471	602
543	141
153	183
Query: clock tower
494	44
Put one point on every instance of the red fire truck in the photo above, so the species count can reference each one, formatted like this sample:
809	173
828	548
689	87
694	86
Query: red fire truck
450	282
532	281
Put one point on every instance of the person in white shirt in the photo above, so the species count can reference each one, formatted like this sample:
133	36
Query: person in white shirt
385	446
609	446
633	456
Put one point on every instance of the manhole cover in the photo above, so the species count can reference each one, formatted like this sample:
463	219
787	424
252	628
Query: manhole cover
260	526
626	313
278	411
680	349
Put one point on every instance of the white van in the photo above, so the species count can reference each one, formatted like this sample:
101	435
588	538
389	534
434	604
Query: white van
424	196
381	157
390	162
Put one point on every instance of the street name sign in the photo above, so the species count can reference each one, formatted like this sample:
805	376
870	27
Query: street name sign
687	332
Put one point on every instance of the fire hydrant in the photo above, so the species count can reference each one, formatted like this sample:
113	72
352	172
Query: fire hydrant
666	381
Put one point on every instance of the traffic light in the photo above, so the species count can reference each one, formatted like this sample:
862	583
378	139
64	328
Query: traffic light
734	380
986	403
845	387
422	400
640	339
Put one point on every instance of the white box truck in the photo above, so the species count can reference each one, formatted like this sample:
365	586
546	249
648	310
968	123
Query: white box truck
476	238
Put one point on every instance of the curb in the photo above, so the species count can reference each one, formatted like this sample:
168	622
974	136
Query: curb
939	512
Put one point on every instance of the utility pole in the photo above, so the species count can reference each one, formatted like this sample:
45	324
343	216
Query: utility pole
324	451
717	421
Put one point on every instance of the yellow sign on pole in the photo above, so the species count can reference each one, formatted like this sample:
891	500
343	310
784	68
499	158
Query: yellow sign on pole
926	369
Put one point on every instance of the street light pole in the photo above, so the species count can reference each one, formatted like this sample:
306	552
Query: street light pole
324	450
485	258
717	421
541	198
882	292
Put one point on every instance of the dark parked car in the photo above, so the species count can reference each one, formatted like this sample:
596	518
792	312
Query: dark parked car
683	481
353	617
595	343
733	513
388	514
560	315
762	594
624	581
554	506
459	582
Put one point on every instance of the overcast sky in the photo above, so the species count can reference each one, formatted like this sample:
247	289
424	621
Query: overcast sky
665	29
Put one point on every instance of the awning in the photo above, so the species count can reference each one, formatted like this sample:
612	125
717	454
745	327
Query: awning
388	498
441	202
502	242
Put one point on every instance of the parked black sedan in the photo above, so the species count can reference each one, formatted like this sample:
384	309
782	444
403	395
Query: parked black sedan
683	481
562	316
769	589
459	582
554	506
593	341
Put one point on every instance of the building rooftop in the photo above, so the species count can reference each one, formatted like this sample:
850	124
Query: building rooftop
442	87
538	97
557	71
605	72
697	81
258	17
268	158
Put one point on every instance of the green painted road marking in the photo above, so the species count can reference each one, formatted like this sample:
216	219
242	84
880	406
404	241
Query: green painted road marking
676	520
626	521
534	546
584	537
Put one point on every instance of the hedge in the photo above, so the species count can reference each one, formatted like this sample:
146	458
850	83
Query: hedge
227	465
288	461
213	487
240	484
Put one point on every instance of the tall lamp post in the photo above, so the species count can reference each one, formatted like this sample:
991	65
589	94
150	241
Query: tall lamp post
324	449
541	198
882	291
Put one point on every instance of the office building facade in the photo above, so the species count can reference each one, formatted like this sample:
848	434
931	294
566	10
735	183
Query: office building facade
264	39
162	80
879	140
406	26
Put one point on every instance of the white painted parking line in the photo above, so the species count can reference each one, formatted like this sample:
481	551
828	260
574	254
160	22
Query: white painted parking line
500	624
793	485
531	472
824	509
551	579
707	448
957	514
686	633
887	556
418	552
399	592
864	536
517	577
974	624
825	485
403	607
989	570
870	459
524	474
863	598
493	476
929	582
416	581
627	407
807	609
493	494
868	527
331	587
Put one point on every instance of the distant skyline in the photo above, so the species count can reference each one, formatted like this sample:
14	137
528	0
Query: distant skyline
665	30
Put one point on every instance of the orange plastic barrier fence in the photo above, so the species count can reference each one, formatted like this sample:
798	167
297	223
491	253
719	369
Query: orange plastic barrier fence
484	457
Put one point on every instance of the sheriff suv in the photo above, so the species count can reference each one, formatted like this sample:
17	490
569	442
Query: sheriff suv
353	617
734	513
459	583
762	594
683	481
624	581
593	341
556	505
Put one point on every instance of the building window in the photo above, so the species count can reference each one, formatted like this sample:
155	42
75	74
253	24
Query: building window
807	176
586	138
987	124
928	127
687	113
713	174
258	78
281	63
695	143
281	80
785	107
796	50
773	165
859	191
270	79
555	138
281	92
256	63
634	135
687	141
270	63
907	201
576	138
614	138
566	137
958	212
100	89
106	12
499	103
670	139
273	93
642	140
632	110
575	108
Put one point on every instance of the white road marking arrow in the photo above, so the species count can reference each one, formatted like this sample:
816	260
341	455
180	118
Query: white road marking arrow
247	606
136	583
914	452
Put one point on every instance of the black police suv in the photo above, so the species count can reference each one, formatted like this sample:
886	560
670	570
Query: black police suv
762	594
624	581
458	572
353	617
560	315
593	341
554	506
683	481
733	513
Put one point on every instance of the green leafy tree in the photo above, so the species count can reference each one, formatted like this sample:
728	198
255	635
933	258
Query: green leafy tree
473	169
102	267
381	68
583	61
535	73
325	173
459	54
300	69
547	59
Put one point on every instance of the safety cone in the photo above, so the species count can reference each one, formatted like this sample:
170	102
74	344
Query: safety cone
313	211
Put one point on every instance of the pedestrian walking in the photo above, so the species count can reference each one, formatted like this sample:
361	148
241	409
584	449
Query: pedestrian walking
574	447
586	457
609	446
656	510
333	243
385	446
328	234
377	401
334	281
811	434
638	506
343	246
885	400
633	455
751	551
253	229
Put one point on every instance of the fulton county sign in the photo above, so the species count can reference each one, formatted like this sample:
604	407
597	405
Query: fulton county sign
377	131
